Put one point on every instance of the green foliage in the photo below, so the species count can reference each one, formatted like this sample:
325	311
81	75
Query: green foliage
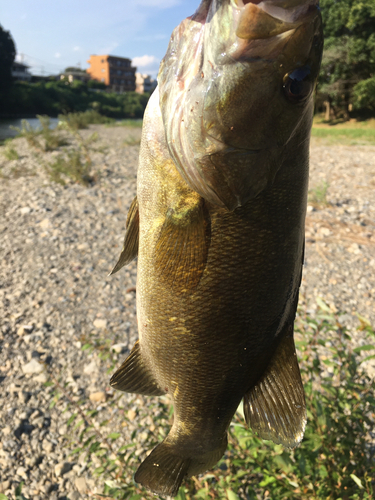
364	94
17	494
128	123
334	462
61	97
51	138
7	56
132	141
84	119
74	164
70	165
318	195
349	53
10	153
29	133
345	135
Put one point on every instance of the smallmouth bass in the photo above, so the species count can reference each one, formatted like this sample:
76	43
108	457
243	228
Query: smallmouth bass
218	227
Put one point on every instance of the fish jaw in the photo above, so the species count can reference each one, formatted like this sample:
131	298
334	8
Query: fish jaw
226	117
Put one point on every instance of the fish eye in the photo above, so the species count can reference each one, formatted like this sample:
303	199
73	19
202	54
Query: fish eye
297	85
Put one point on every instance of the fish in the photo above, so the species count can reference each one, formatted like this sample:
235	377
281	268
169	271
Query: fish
218	229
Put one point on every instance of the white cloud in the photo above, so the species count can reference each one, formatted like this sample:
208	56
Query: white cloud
76	48
144	61
57	55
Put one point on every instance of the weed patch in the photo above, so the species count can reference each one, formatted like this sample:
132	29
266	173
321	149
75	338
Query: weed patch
82	120
42	138
127	123
132	141
10	152
318	195
334	461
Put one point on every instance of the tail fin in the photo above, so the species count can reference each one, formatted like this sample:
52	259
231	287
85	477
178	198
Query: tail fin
163	471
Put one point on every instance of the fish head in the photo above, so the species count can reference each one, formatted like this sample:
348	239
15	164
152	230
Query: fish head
236	93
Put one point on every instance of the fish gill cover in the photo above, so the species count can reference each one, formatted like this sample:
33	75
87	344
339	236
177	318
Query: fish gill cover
221	88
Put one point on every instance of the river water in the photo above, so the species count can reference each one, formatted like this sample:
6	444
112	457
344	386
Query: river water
6	132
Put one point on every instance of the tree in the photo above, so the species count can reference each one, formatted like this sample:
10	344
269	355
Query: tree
349	54
7	56
74	69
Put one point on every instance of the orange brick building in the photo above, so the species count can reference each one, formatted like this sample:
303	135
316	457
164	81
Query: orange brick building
116	72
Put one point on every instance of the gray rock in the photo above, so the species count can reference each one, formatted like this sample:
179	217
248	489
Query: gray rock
32	367
81	485
62	468
119	348
91	368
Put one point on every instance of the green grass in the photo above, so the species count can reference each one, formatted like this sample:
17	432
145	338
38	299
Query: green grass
351	132
51	139
318	195
131	123
71	166
352	136
10	152
334	462
132	141
82	120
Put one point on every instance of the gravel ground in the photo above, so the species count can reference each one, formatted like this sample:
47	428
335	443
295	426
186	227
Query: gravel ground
64	320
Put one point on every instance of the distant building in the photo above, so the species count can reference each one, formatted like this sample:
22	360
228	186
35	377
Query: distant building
20	72
71	74
144	83
116	72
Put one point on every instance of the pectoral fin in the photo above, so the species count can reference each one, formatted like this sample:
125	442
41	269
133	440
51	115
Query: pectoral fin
275	407
130	248
134	376
181	248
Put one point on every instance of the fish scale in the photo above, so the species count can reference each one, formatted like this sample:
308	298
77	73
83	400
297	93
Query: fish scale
218	224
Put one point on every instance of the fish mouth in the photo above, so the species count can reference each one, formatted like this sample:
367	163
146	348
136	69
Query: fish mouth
266	19
261	19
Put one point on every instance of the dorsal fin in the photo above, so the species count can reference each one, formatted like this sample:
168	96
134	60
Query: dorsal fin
134	376
275	407
130	247
182	246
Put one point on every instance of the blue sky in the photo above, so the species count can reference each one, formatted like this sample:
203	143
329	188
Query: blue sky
53	34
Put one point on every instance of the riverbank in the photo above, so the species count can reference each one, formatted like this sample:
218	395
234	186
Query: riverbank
66	324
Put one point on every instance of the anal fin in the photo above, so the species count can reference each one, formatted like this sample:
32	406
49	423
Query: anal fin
275	407
134	376
130	247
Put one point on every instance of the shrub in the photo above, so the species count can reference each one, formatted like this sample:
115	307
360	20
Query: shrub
84	119
334	461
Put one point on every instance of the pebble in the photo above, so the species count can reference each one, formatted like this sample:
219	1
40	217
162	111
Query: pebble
58	244
24	329
62	468
42	378
32	367
4	486
119	348
91	368
25	210
100	323
80	484
97	397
